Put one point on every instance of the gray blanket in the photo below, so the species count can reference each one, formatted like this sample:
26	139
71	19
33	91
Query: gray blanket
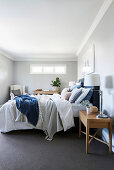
51	119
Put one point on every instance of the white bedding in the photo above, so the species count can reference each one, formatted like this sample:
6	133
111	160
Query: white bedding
76	108
50	117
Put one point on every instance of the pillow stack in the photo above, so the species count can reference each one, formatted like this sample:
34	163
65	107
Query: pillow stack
76	94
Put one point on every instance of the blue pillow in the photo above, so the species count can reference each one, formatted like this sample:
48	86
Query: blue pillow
89	95
75	86
75	94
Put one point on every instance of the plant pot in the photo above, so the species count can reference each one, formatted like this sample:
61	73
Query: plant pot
55	88
88	110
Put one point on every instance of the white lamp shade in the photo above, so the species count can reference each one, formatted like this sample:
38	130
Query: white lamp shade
92	80
71	83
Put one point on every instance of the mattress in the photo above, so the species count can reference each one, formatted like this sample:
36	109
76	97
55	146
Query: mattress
23	126
76	109
105	136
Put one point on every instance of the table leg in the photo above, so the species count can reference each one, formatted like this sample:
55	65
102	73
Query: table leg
79	127
110	137
87	138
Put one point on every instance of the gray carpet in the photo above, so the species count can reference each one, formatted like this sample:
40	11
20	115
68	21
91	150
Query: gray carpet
28	150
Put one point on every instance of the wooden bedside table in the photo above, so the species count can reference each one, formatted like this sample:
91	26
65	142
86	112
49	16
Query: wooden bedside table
90	121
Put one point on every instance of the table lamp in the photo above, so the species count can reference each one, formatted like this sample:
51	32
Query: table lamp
94	80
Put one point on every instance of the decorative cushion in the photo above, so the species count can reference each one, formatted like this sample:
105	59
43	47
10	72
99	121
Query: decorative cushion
64	90
66	95
89	95
85	92
75	94
77	85
16	92
16	87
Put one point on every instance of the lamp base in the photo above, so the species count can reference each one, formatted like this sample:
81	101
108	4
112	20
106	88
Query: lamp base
101	115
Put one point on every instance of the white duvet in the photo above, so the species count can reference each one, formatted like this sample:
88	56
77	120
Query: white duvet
55	115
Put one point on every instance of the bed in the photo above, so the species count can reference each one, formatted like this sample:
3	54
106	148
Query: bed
55	114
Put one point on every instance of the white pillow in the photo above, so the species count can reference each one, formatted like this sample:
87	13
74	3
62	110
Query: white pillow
85	92
66	95
78	83
64	90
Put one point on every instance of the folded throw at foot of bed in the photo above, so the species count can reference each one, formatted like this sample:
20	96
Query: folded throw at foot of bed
29	107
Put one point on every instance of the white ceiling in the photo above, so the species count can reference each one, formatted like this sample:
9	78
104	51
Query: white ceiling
41	28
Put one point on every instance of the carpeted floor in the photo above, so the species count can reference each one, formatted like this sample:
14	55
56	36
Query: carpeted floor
28	150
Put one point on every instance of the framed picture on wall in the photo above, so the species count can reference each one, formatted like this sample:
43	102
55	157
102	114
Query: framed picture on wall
89	61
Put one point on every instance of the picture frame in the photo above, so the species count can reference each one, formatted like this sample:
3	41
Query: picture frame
89	61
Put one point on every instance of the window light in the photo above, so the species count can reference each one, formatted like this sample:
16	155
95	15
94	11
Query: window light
47	69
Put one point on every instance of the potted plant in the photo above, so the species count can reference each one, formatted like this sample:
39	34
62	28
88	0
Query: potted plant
56	84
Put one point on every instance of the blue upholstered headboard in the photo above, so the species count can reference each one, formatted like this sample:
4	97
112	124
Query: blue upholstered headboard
95	96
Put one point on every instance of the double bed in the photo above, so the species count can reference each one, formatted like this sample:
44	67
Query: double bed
55	114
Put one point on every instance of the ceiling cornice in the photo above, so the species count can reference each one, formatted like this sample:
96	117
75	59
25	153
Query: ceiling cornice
46	57
95	23
39	57
6	55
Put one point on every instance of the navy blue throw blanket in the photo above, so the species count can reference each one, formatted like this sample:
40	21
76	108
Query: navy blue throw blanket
29	107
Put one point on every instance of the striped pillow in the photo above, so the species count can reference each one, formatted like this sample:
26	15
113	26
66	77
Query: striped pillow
75	94
85	92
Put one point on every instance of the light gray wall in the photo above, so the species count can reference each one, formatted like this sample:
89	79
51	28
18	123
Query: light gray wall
6	78
103	38
22	75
